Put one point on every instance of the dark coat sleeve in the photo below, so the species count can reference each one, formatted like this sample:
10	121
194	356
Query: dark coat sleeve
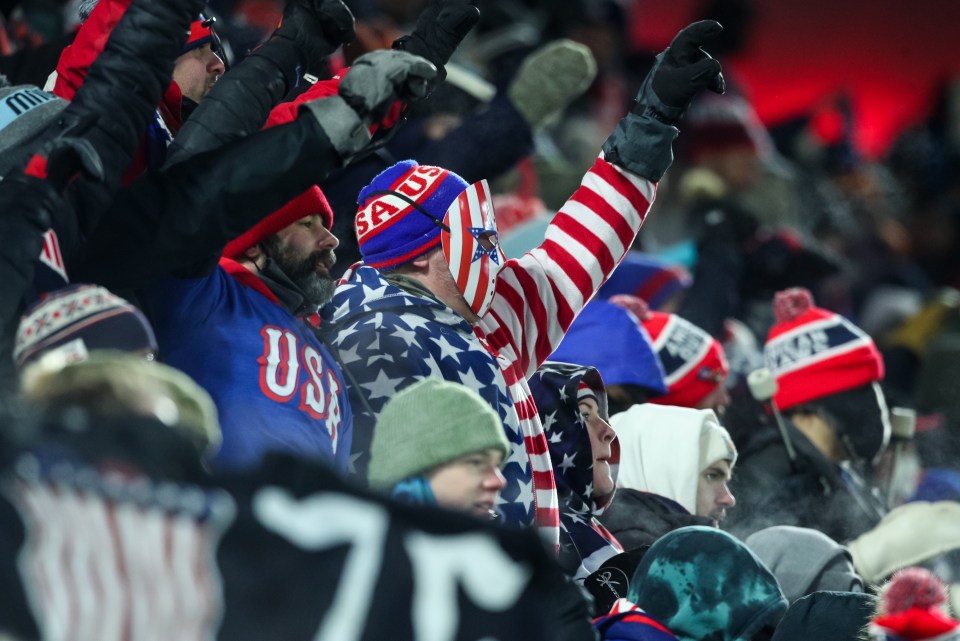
122	89
238	105
189	212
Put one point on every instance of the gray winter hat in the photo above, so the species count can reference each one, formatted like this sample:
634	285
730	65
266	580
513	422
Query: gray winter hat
805	561
26	112
428	424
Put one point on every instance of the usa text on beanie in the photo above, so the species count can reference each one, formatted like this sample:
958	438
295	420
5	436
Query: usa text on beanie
814	352
401	212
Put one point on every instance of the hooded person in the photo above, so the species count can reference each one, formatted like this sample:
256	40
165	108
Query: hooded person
435	295
439	443
694	364
703	583
828	375
827	616
611	339
583	447
675	463
805	561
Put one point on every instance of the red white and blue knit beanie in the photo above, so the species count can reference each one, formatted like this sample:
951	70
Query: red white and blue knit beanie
815	353
78	319
693	361
401	210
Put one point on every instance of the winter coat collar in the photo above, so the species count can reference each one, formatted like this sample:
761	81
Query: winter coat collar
365	290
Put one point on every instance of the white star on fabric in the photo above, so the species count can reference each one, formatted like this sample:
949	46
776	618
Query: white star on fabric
383	386
590	489
526	494
446	349
350	355
352	465
575	517
563	395
370	293
470	380
567	462
556	438
548	422
518	454
407	336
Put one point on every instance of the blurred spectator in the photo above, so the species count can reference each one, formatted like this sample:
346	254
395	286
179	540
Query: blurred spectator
703	583
828	372
826	616
116	385
805	561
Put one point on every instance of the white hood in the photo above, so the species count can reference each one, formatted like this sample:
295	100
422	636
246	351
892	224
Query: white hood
663	449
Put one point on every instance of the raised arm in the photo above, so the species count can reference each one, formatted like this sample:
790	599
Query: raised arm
539	295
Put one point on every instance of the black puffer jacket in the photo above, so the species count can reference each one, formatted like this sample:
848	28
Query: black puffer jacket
639	518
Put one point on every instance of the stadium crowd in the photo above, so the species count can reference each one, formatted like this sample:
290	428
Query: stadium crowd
441	319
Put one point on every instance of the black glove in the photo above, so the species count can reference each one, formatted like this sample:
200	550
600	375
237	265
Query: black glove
642	142
440	30
679	73
373	84
317	28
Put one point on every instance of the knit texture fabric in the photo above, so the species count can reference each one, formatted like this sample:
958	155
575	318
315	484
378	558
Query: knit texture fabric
428	424
814	352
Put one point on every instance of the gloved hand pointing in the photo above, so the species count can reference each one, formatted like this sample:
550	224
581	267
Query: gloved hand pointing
680	72
642	141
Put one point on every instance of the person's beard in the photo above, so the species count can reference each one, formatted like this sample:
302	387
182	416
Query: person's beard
316	286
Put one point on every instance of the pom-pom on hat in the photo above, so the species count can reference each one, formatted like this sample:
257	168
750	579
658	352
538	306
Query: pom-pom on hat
306	204
693	361
401	212
910	609
814	353
78	319
429	424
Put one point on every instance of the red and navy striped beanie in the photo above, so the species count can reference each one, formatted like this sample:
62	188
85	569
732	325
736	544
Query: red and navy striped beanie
814	353
401	212
693	360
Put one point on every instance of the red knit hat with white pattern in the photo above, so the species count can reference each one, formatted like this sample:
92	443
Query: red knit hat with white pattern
814	353
693	360
308	203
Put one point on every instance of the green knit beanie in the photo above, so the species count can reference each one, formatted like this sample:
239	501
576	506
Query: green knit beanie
428	424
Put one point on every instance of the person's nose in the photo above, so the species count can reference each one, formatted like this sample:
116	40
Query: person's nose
724	497
215	65
606	432
326	240
494	479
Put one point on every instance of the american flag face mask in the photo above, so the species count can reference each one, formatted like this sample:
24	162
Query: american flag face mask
471	245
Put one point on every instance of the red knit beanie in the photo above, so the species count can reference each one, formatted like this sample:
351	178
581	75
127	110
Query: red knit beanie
693	361
814	353
306	204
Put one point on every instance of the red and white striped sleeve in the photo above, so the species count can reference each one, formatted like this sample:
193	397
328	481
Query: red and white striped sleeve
539	294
